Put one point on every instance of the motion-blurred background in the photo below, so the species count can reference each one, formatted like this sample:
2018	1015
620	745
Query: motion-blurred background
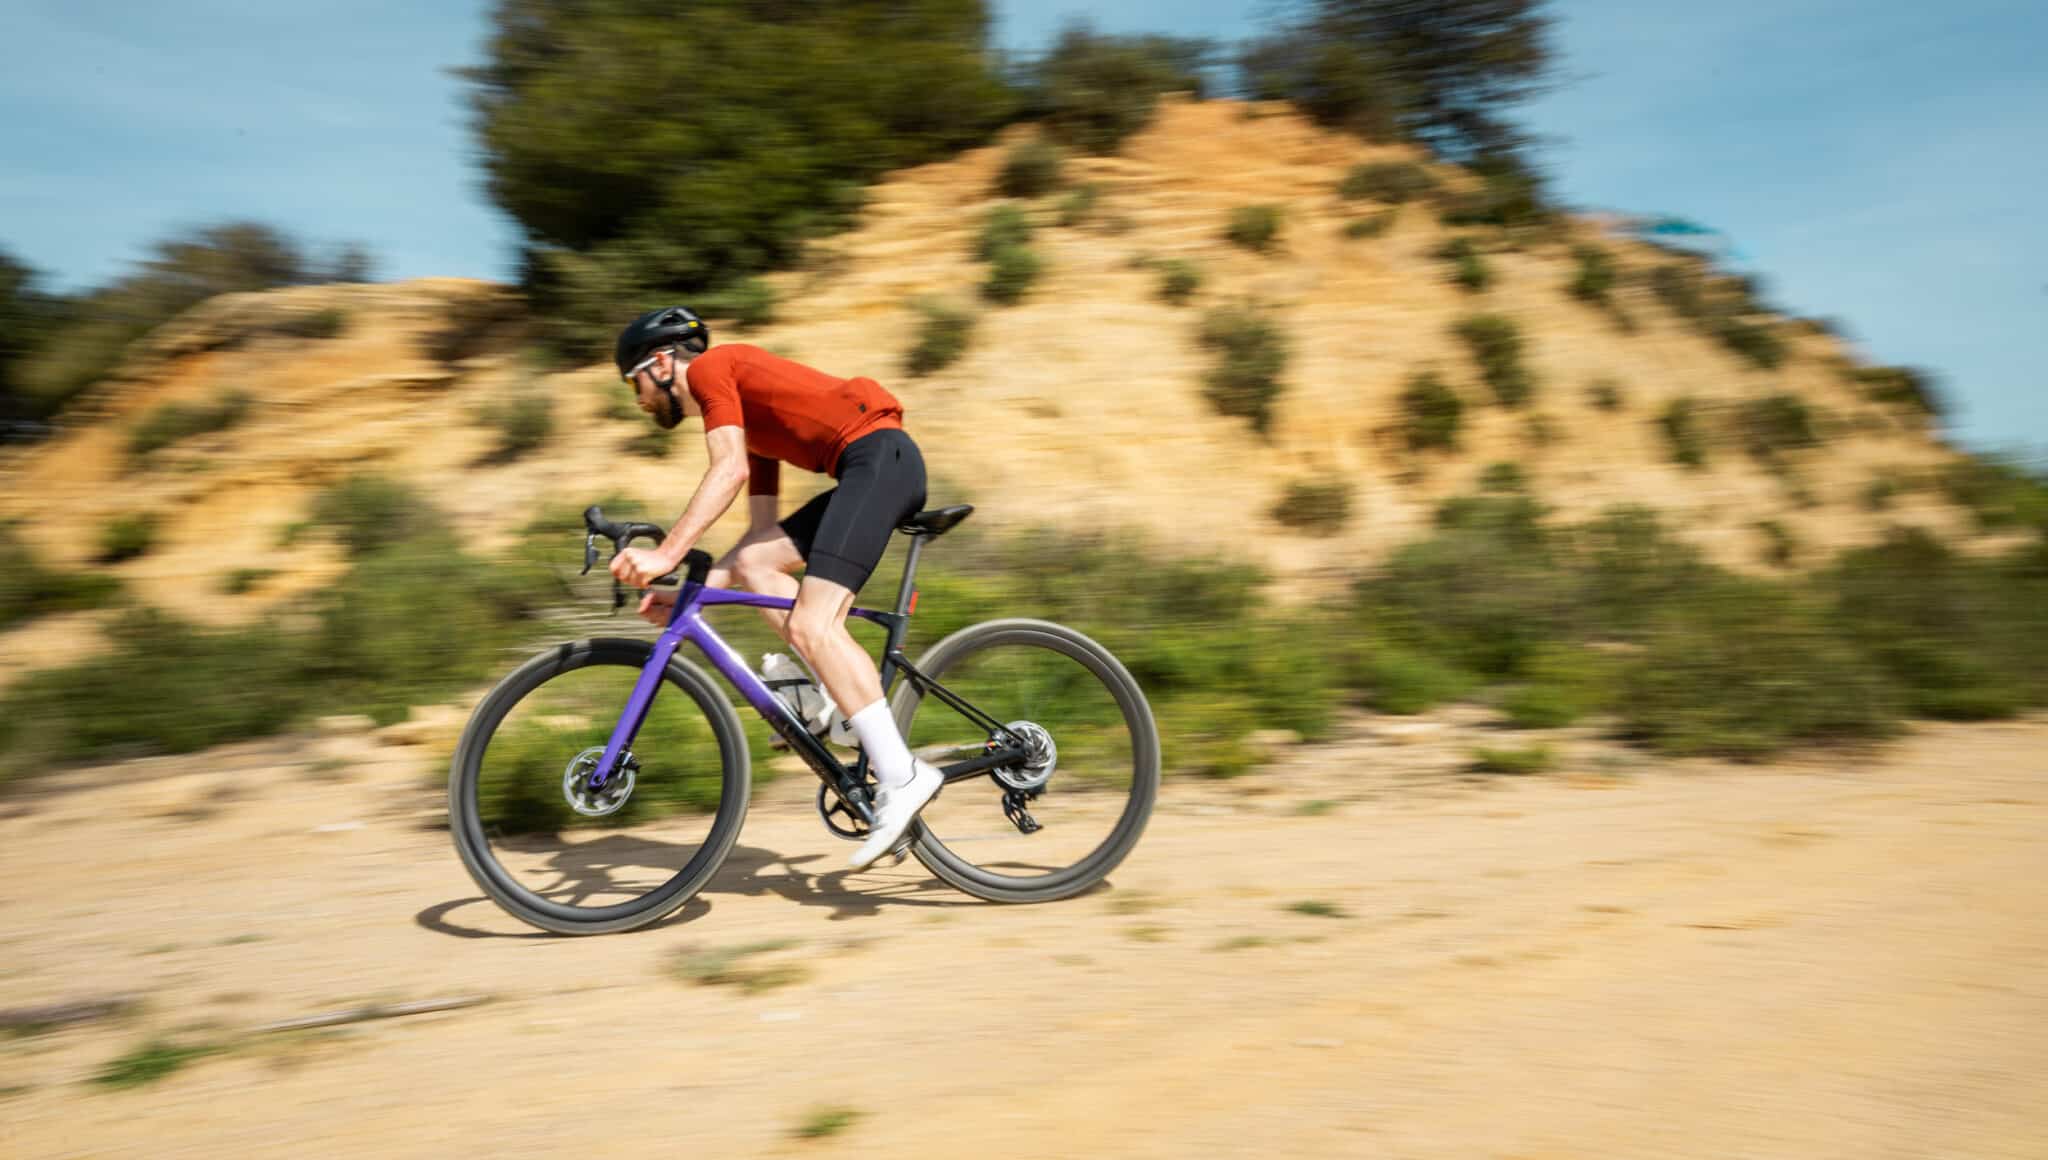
1280	323
1607	377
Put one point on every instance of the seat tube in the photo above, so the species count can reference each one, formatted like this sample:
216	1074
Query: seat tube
909	583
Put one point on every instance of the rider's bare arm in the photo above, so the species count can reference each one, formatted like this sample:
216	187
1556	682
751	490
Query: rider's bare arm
764	482
722	483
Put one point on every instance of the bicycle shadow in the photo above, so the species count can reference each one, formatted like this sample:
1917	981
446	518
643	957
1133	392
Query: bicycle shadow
605	868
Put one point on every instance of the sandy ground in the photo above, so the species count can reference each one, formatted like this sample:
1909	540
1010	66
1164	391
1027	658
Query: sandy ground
1838	957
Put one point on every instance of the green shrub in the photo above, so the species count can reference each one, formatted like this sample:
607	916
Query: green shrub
367	512
1393	182
1372	225
1900	386
1774	425
1251	354
524	421
1605	393
749	303
1094	90
732	180
29	590
1524	760
1432	413
1317	507
1681	425
173	422
1012	270
1594	280
1562	683
1998	491
1681	289
1963	638
151	1062
419	620
126	537
1756	341
1744	668
652	443
1255	227
1510	196
241	580
1005	227
182	689
1178	280
1404	681
1468	269
1781	548
1879	493
1483	594
1496	344
1211	735
1029	169
1079	205
1503	478
1719	311
315	324
68	344
620	402
943	333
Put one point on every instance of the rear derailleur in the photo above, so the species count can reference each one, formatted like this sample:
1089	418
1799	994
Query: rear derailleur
1015	803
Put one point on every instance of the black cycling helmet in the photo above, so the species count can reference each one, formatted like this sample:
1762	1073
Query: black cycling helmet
668	326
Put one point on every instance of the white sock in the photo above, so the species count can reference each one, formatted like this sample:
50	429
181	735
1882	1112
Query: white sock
884	745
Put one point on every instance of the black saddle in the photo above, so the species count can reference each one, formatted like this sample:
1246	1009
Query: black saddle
936	521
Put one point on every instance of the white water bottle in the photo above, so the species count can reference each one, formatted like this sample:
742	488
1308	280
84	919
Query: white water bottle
796	688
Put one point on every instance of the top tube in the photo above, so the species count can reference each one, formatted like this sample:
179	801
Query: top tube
707	597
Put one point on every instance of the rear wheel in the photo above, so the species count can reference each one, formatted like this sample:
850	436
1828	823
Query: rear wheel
562	857
1082	797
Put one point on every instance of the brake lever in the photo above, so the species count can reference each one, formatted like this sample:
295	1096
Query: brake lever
589	554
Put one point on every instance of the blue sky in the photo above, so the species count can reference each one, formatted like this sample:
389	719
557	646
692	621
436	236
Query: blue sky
1880	163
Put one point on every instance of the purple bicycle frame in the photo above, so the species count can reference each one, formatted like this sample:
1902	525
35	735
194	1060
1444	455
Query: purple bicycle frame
686	623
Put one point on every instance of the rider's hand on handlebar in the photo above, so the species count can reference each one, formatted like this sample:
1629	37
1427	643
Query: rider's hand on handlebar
655	605
640	567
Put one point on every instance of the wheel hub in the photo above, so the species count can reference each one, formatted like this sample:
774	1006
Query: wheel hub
1042	757
606	799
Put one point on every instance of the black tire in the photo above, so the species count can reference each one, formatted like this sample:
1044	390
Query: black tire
960	652
685	687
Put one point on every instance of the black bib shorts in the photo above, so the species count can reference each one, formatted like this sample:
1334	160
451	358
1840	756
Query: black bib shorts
842	533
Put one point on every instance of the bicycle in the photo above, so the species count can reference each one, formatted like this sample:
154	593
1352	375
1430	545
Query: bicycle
575	787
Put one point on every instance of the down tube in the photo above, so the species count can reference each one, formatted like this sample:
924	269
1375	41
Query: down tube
733	666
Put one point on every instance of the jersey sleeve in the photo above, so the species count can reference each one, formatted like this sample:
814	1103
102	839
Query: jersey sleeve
714	383
764	475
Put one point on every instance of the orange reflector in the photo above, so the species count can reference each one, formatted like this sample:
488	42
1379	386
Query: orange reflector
913	600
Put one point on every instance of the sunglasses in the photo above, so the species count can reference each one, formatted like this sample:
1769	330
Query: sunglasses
642	365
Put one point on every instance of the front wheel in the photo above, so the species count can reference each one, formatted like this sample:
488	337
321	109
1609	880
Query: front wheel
556	854
1085	793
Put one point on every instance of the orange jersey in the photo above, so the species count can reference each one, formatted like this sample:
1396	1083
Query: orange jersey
792	413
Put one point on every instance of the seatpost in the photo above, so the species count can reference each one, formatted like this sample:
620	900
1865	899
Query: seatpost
904	590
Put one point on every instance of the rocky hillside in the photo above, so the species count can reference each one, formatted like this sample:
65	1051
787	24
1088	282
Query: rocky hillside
1080	406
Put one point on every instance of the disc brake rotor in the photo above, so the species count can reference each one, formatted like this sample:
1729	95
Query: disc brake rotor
608	798
1042	757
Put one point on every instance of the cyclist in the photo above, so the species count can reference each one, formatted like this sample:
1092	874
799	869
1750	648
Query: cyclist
761	411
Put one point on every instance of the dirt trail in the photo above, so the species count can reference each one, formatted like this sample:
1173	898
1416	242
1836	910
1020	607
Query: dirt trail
1840	957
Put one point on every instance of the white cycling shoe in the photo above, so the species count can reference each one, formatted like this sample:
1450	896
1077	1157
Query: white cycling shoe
896	808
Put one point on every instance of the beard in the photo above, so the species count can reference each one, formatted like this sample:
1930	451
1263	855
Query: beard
667	410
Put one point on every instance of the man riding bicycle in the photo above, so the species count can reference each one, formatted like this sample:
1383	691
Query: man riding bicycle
761	411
